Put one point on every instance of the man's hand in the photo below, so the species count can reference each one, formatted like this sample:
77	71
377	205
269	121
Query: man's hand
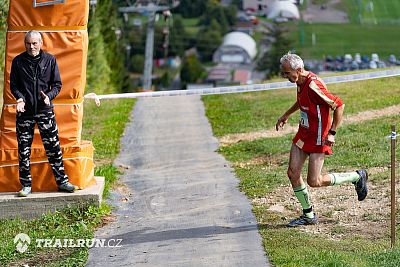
20	105
281	122
46	99
329	140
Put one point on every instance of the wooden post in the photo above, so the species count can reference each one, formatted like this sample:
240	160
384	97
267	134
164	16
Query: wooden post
393	187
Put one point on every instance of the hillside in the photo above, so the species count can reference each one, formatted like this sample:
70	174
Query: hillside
350	233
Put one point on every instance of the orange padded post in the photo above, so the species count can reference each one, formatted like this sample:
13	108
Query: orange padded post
64	30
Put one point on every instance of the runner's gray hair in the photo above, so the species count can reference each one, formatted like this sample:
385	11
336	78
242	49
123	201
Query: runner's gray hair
294	61
33	33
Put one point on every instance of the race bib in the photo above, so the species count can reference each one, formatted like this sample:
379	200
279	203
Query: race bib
304	119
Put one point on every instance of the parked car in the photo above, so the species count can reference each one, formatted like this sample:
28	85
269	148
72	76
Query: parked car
392	59
381	64
357	58
354	65
375	57
365	58
348	58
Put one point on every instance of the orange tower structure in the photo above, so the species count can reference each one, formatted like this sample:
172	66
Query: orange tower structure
63	24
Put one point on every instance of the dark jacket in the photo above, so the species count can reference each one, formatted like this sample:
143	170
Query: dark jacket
26	83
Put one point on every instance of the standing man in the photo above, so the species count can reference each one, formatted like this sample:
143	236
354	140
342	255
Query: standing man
315	137
35	81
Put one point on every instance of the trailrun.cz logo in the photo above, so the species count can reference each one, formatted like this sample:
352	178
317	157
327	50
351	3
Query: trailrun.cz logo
22	241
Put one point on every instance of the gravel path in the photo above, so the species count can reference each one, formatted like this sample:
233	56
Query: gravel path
181	205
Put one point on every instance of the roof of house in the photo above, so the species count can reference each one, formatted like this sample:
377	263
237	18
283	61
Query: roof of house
242	40
242	76
284	9
219	73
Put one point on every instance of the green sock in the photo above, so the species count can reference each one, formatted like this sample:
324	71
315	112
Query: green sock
302	195
340	178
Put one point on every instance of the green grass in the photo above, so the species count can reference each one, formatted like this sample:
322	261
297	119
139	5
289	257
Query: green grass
383	12
104	126
191	25
358	146
246	112
72	223
369	31
340	39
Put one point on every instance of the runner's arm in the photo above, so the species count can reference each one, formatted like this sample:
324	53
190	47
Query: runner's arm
337	117
284	118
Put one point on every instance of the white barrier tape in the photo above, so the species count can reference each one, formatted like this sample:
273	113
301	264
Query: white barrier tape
247	88
93	96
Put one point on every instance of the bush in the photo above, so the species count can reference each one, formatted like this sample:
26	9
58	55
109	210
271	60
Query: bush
192	70
137	63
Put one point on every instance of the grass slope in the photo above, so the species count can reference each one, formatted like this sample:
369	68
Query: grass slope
373	11
261	167
340	39
372	29
246	112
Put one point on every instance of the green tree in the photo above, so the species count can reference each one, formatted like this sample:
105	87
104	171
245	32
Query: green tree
3	29
98	69
192	70
165	79
178	36
191	8
107	15
209	39
137	40
269	62
231	14
137	63
215	12
238	3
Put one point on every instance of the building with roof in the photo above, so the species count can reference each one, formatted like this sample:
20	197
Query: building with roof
219	73
237	48
283	9
242	76
256	6
264	7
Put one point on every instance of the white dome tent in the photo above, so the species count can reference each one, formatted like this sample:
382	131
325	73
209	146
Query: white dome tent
237	47
283	9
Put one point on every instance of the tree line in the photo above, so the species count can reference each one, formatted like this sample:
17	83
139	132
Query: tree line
3	28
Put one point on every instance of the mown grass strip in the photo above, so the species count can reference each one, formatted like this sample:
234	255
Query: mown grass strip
341	39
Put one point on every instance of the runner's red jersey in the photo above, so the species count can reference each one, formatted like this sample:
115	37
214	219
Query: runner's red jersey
315	103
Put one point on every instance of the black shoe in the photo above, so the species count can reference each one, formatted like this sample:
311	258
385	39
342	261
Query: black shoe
361	185
67	187
303	220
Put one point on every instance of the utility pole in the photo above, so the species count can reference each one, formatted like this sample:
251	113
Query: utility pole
148	59
151	9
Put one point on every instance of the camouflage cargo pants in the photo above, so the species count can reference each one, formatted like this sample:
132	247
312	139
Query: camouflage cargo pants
49	132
